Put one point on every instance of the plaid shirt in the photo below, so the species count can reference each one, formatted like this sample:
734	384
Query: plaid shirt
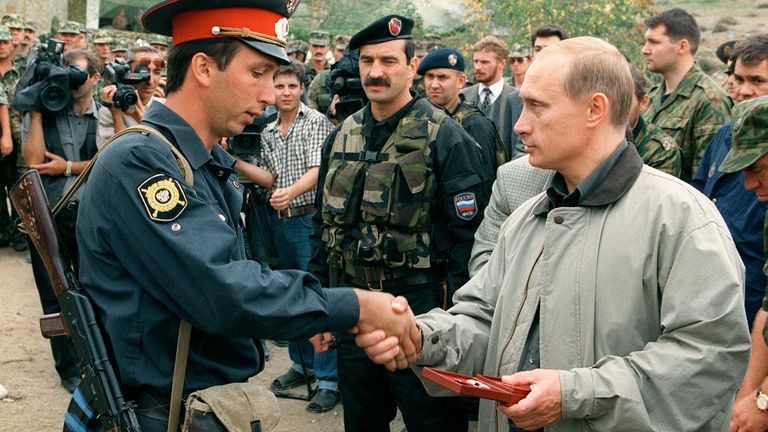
291	157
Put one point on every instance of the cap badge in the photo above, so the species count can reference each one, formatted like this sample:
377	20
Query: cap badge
281	29
291	6
215	30
452	59
395	26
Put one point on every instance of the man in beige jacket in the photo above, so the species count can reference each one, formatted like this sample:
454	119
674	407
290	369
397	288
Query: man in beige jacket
616	295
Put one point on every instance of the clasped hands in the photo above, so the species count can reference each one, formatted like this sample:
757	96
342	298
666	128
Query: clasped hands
386	330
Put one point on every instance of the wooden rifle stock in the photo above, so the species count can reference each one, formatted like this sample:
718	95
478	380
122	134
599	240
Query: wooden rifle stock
53	325
30	201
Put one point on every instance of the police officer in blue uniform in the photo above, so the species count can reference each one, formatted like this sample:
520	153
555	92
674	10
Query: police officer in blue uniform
157	248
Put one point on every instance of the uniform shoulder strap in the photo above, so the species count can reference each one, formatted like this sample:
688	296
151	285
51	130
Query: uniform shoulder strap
181	161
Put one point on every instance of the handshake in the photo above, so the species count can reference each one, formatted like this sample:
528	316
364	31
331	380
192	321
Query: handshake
386	329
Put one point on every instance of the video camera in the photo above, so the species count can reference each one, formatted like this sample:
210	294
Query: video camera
47	83
119	73
345	82
248	143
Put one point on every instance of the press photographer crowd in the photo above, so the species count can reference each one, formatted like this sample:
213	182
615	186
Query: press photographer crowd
578	245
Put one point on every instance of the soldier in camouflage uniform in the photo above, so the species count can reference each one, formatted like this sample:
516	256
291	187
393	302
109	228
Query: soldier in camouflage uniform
319	92
317	62
402	196
29	41
687	104
120	49
9	76
419	53
160	43
657	149
519	59
102	48
297	50
69	32
443	72
15	23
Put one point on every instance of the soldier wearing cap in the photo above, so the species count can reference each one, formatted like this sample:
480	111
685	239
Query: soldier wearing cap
340	43
15	23
174	249
102	48
402	196
120	49
519	59
160	43
297	50
318	51
10	73
443	72
69	33
29	40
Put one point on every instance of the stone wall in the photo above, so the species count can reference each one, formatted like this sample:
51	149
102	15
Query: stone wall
42	11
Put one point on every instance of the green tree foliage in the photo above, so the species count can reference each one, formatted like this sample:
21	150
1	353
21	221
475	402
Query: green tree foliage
347	16
618	21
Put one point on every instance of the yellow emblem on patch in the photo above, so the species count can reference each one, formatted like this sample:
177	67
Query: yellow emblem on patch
163	197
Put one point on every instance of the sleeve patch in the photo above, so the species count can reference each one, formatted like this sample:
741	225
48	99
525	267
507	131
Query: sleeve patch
163	198
466	205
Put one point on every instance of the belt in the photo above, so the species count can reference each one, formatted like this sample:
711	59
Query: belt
296	211
374	283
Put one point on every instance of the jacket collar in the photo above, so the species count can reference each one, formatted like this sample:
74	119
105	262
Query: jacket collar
619	175
181	133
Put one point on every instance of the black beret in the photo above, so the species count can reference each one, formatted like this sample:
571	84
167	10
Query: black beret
261	24
447	58
389	28
725	50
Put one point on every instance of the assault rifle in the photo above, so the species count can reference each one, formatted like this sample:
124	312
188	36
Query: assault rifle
100	401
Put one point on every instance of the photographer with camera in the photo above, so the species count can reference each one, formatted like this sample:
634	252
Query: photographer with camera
134	85
59	146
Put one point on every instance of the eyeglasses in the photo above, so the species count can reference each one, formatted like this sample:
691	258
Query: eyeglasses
146	61
518	60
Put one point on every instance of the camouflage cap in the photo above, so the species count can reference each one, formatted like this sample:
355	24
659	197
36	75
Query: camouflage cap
296	45
5	33
318	37
725	51
156	39
30	25
121	45
749	134
341	41
69	27
102	37
434	42
519	51
13	21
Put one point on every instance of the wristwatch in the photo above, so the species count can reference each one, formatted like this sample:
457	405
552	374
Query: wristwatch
68	171
761	399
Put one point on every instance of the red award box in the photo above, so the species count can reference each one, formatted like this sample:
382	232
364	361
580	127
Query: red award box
482	386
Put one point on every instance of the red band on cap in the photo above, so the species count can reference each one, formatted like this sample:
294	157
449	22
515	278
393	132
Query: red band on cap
198	24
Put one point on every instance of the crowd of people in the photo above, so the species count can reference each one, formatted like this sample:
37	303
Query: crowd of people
569	228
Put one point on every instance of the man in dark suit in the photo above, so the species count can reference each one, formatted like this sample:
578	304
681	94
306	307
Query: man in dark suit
540	39
490	92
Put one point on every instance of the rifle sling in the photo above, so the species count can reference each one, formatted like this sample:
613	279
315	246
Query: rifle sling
185	329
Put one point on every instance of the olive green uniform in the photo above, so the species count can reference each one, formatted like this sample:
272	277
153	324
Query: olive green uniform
318	94
691	115
657	149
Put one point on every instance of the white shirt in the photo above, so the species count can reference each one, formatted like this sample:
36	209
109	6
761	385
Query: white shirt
496	89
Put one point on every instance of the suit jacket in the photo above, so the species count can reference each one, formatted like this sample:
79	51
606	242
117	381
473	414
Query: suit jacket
497	111
511	140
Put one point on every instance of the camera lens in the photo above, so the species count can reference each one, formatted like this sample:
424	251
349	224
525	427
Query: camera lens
54	97
130	98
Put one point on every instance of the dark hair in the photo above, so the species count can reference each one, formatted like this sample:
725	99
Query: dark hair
221	50
410	49
751	50
293	68
74	55
130	55
549	30
640	82
679	24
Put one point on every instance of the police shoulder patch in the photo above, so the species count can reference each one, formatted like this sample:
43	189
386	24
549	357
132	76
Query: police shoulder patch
163	197
466	205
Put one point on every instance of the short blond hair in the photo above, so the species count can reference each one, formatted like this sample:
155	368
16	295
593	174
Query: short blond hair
596	66
494	44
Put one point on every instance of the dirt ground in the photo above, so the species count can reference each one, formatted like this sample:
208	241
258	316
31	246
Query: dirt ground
36	402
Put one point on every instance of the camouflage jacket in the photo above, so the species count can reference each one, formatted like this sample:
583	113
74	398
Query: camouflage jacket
691	115
8	82
405	193
318	93
657	149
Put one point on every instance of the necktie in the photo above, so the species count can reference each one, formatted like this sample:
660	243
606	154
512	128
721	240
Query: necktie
485	104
